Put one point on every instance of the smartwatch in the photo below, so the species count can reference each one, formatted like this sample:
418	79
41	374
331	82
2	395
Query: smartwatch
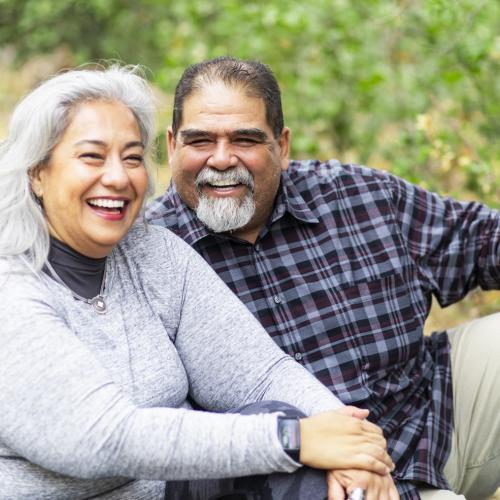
289	436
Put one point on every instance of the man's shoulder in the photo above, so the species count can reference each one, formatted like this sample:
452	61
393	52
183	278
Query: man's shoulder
163	211
309	175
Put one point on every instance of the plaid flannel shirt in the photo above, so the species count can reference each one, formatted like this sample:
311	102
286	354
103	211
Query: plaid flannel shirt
342	276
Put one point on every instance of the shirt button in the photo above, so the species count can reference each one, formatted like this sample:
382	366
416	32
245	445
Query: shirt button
298	356
277	299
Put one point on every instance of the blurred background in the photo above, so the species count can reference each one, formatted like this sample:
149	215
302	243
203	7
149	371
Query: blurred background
409	86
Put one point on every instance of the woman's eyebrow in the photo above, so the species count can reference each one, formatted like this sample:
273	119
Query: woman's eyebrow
96	142
90	141
133	144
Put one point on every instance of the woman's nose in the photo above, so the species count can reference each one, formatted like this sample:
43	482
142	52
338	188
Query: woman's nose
115	174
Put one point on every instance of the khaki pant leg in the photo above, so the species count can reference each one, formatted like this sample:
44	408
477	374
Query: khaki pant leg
430	494
473	467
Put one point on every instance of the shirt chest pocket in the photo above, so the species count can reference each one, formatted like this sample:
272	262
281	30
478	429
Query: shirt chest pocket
360	334
381	316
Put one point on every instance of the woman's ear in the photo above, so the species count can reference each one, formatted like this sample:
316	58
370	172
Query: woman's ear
36	181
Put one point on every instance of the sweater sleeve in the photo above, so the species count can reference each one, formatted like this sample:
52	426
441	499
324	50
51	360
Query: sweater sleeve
229	357
62	411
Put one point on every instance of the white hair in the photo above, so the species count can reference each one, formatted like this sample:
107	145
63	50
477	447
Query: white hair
35	128
225	214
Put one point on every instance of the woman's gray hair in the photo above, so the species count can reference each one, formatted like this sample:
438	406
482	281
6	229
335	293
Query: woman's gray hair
35	128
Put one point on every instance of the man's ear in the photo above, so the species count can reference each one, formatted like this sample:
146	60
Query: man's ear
284	144
171	144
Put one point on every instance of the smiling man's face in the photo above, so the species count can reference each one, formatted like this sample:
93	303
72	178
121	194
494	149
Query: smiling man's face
226	163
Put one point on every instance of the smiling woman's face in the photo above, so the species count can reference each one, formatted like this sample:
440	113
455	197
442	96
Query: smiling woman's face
95	181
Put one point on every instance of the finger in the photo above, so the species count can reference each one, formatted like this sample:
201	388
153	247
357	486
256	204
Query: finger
375	493
372	463
375	439
393	492
371	486
369	427
367	492
335	489
379	454
352	411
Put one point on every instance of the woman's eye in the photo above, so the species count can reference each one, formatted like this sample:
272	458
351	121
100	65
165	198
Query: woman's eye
91	156
134	159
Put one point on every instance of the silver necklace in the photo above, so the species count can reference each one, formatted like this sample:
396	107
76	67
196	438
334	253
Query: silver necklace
98	302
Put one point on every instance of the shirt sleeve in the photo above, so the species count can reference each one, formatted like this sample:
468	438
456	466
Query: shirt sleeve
456	245
229	357
62	411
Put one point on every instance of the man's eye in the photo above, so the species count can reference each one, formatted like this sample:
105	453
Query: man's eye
198	142
246	141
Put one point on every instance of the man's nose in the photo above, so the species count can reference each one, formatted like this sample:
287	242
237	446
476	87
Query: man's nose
222	157
115	174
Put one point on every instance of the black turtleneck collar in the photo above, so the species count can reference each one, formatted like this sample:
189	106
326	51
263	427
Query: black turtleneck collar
81	274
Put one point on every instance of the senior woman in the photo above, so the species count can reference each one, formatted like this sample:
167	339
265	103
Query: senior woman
108	326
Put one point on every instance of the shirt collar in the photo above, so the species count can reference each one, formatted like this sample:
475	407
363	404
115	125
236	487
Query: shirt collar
192	230
182	221
290	200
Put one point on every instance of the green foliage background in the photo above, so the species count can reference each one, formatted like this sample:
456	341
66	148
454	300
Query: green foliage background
411	86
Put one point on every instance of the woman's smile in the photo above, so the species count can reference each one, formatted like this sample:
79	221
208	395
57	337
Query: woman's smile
94	183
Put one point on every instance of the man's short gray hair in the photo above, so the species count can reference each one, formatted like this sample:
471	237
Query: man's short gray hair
36	127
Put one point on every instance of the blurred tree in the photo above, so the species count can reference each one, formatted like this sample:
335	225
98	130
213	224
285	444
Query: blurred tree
407	85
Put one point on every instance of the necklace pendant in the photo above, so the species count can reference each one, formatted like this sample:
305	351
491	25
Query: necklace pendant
99	304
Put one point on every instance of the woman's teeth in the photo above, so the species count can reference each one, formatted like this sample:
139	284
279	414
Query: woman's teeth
106	203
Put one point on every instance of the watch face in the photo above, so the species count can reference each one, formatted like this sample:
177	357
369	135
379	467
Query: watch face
289	433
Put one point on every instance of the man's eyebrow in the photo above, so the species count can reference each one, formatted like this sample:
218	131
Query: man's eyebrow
96	142
255	133
191	133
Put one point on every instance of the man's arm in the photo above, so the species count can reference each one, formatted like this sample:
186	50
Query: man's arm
456	245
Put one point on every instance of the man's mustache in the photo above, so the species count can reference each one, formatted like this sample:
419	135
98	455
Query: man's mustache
235	175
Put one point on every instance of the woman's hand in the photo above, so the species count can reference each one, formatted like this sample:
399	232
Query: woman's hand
331	440
353	411
342	483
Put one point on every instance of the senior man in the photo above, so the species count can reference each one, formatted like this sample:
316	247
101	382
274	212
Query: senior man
339	263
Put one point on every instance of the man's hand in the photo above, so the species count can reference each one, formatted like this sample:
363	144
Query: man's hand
377	487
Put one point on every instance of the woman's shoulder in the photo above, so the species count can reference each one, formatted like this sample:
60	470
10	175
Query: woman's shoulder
153	251
17	271
20	284
152	242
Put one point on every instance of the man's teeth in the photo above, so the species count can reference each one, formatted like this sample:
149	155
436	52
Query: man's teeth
106	203
223	183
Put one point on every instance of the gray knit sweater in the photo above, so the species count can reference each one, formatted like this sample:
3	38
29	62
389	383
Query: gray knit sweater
94	406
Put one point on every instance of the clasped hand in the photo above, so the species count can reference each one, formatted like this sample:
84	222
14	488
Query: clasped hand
342	439
353	449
